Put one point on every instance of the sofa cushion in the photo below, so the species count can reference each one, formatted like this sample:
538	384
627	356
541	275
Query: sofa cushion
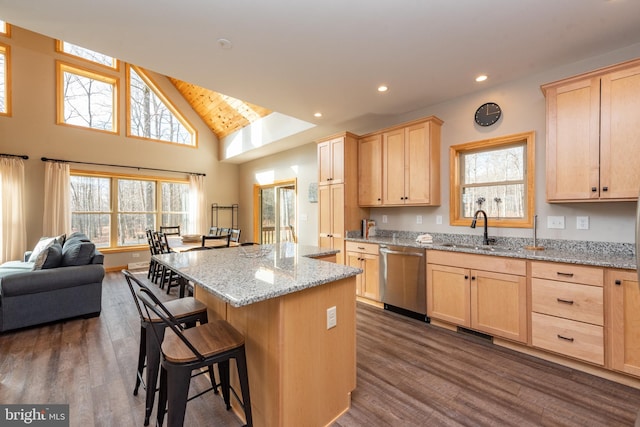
77	253
78	235
40	246
49	257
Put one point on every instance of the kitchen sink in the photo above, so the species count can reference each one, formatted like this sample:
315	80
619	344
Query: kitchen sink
488	248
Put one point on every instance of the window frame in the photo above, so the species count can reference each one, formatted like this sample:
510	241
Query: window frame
455	196
7	29
6	51
114	212
114	81
167	102
60	49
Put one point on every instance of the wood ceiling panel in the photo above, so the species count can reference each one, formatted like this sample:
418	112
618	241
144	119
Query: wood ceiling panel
222	114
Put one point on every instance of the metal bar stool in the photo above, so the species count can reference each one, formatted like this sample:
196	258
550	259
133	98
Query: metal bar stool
186	311
189	349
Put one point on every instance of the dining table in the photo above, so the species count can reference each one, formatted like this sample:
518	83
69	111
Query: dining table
297	314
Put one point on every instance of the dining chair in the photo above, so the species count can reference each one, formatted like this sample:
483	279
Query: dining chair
185	350
188	311
213	231
154	268
224	238
234	235
170	230
167	276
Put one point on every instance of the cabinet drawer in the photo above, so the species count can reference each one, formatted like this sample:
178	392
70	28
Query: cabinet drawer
568	273
368	248
576	339
575	302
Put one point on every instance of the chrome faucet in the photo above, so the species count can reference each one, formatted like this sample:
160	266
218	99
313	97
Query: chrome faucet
485	240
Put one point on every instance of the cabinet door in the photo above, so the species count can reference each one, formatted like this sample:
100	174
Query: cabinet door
393	167
325	219
448	294
371	282
417	158
331	218
573	141
624	333
498	304
331	162
353	260
619	135
370	171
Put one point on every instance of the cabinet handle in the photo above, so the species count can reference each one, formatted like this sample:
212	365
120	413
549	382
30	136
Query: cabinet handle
559	273
379	199
361	248
618	282
605	188
565	338
466	277
473	277
594	189
565	301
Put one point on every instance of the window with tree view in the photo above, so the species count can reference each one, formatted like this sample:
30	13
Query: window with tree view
497	177
151	115
135	203
4	80
86	54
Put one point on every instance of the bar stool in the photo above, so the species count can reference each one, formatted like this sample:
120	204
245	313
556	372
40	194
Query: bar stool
189	349
185	310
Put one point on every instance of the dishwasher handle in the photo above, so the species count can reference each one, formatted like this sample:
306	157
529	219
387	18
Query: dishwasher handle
388	251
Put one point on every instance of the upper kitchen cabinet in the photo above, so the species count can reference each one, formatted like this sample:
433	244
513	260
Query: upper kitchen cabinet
410	165
331	161
370	170
592	134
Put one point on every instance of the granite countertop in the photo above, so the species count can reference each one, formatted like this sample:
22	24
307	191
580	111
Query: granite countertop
598	254
248	274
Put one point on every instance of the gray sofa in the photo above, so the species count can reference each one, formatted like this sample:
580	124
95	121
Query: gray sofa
63	282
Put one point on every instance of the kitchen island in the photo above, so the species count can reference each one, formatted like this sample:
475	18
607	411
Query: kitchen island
301	372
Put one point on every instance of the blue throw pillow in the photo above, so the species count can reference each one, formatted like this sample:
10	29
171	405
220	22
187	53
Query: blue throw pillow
77	253
54	256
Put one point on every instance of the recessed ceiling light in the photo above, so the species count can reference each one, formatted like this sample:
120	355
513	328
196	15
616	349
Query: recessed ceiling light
317	115
481	78
225	43
382	88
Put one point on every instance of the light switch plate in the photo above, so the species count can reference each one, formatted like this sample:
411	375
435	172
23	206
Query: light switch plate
384	219
582	223
418	219
439	219
555	222
331	317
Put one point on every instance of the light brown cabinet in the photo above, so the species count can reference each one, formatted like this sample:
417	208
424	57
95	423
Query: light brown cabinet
567	304
365	256
484	293
623	343
592	129
338	210
400	166
370	170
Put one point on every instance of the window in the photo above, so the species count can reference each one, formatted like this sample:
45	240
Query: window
497	176
5	81
5	29
86	54
87	99
136	207
150	113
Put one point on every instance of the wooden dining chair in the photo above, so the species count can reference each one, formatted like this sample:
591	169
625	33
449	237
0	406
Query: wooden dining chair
186	350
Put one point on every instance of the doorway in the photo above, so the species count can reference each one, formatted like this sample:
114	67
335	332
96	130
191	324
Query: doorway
275	216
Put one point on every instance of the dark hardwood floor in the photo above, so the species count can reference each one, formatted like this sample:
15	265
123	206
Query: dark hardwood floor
409	374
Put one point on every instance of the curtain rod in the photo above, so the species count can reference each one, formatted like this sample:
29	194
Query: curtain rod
22	156
46	159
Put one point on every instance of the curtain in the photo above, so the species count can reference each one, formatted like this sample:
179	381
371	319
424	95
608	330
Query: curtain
57	205
197	206
13	227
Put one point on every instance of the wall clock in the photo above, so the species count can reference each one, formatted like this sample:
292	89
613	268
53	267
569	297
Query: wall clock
488	113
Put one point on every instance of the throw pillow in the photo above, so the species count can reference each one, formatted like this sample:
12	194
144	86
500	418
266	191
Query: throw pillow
77	253
79	236
54	256
42	244
40	260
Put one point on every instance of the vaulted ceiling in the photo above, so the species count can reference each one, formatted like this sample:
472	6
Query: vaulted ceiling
299	57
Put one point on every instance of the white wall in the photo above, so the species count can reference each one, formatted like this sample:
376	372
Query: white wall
32	131
300	164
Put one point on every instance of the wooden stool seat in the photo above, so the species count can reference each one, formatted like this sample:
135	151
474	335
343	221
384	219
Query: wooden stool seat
215	337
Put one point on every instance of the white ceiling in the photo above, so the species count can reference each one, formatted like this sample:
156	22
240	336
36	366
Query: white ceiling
300	57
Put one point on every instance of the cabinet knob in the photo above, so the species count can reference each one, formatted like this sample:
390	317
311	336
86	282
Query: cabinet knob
605	188
379	199
466	277
618	282
473	277
594	189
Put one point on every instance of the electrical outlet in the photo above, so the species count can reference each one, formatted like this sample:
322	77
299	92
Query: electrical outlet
419	219
582	223
439	219
332	319
555	222
135	255
384	219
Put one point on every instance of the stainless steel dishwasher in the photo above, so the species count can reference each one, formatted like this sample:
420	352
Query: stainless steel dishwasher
403	280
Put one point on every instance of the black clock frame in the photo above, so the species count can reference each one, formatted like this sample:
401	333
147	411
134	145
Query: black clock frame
488	114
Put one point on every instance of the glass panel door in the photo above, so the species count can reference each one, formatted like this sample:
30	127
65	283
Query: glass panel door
277	213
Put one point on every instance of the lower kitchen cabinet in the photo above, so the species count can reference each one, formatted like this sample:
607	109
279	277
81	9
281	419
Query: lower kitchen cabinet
484	293
365	256
567	303
624	318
